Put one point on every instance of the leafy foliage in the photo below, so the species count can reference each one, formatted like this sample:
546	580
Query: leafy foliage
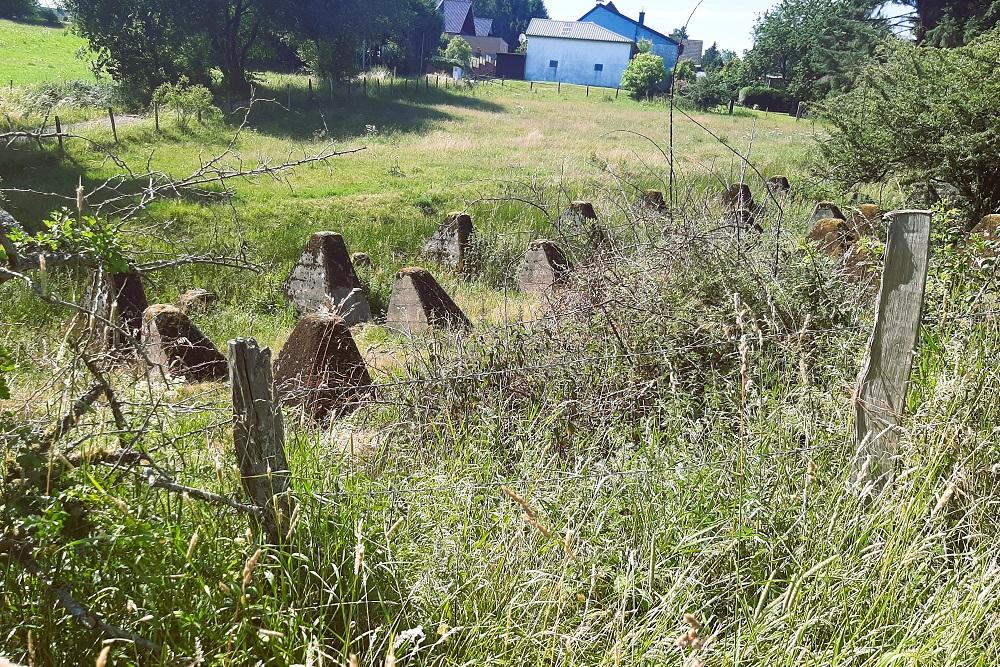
510	17
458	51
816	46
768	99
6	367
644	75
84	235
926	116
186	100
952	23
17	9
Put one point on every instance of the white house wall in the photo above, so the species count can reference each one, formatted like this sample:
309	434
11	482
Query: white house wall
576	58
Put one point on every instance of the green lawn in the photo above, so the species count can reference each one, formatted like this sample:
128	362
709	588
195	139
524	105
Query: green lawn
31	54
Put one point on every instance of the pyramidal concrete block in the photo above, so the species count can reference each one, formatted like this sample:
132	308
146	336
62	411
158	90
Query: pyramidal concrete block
324	279
449	245
824	211
172	342
320	368
544	267
418	304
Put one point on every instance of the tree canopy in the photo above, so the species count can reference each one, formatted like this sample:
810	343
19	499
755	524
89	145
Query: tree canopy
16	9
816	46
510	17
951	23
144	43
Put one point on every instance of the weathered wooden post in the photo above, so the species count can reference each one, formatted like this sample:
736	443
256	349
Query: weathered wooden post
732	105
617	90
800	111
559	87
288	92
114	128
588	91
364	82
259	437
310	88
531	87
156	117
881	395
59	135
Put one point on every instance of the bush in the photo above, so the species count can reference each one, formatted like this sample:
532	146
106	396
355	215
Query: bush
644	75
768	99
185	100
707	92
927	117
458	51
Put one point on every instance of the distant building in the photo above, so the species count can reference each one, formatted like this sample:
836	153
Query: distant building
607	16
693	50
576	52
461	21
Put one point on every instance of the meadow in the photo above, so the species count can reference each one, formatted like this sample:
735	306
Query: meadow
649	468
34	54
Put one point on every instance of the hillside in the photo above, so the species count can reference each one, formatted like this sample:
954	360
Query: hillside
33	54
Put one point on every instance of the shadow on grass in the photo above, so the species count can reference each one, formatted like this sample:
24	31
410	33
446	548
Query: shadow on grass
346	116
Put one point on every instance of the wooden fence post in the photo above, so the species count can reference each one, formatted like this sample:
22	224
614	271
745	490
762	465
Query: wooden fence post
156	117
588	91
617	90
364	83
310	88
800	111
114	128
881	395
559	87
259	437
59	134
531	87
288	91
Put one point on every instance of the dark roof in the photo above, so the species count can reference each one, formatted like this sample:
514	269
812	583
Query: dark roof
573	30
457	16
484	27
610	6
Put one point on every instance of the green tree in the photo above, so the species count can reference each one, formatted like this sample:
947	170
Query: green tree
644	46
679	33
458	51
510	17
926	116
711	59
951	23
816	46
644	75
17	9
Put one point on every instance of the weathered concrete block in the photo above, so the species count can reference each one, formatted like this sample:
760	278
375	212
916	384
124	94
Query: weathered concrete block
361	260
580	223
779	185
418	304
581	209
197	300
172	342
833	236
130	301
988	230
652	199
451	242
544	267
738	196
320	368
325	280
743	219
824	211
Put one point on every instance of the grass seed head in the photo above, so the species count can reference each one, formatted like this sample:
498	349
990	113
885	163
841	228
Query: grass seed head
250	566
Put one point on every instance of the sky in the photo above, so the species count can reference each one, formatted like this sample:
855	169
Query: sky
728	22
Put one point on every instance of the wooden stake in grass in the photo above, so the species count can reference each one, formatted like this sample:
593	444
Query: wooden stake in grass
59	135
259	436
114	128
885	373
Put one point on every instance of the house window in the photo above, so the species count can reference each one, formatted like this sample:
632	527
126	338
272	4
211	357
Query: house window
553	63
598	68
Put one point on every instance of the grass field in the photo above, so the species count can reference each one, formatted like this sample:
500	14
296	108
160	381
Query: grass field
651	473
425	153
32	54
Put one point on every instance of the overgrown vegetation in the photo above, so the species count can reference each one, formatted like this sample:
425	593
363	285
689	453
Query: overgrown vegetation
645	75
925	116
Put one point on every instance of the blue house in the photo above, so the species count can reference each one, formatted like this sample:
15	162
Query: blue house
607	16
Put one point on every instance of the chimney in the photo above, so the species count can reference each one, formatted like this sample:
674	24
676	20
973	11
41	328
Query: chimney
642	18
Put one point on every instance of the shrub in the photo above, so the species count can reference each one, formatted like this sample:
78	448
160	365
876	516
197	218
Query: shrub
186	100
707	92
926	116
644	75
769	99
458	51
